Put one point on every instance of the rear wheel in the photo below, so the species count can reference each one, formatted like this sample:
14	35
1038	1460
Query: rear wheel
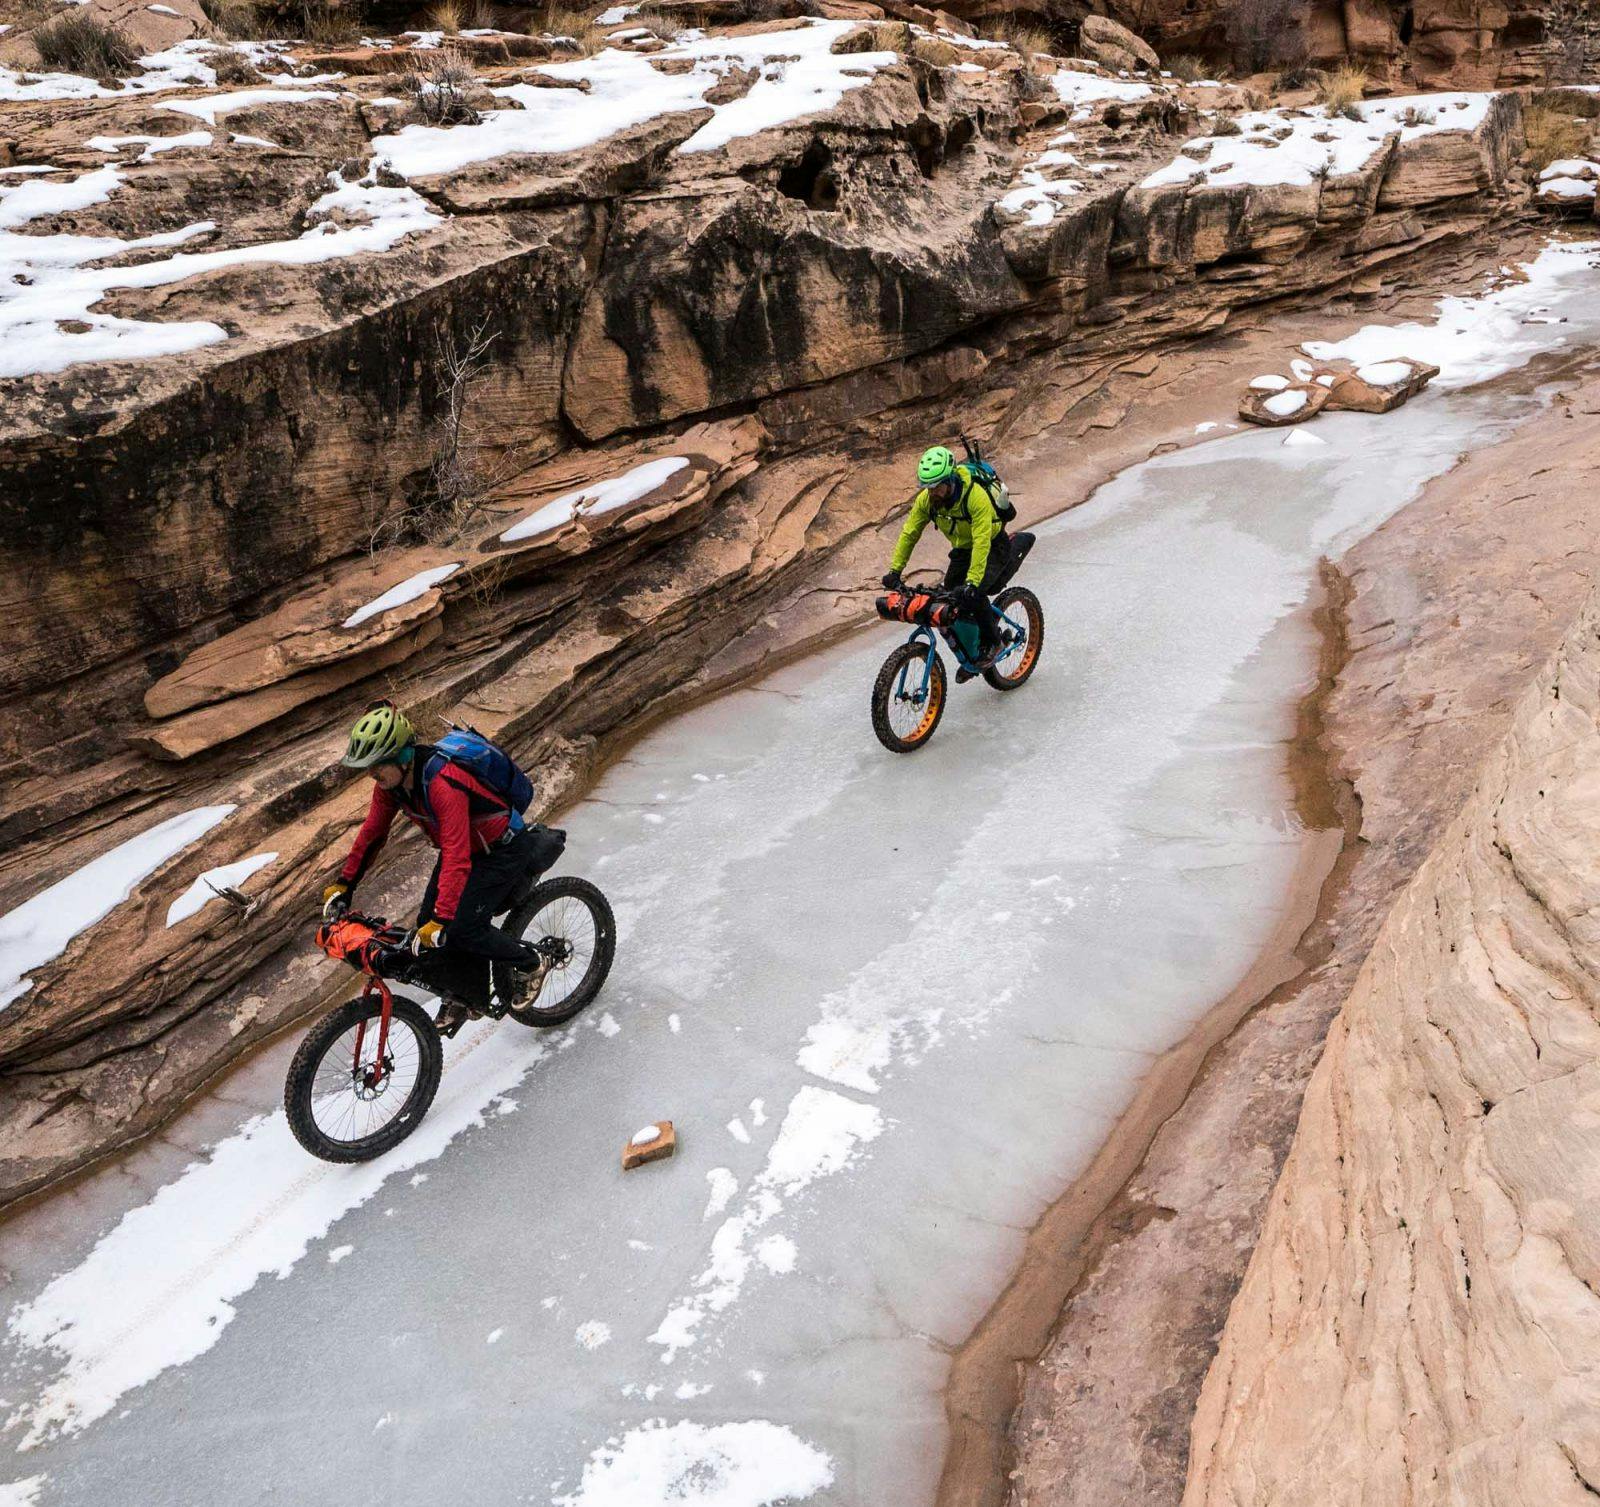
343	1103
571	921
908	698
1022	607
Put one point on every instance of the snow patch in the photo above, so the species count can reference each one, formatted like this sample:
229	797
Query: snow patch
752	1463
593	501
46	280
1291	147
1268	382
592	1335
153	145
1384	373
798	75
407	591
723	1186
39	930
1473	339
777	1253
338	1253
643	1137
1300	438
23	1493
1283	404
200	893
213	105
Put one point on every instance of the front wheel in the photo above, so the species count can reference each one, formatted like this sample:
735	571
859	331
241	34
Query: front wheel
908	698
348	1103
571	921
1013	667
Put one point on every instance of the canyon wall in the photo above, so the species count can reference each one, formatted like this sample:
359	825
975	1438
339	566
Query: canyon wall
1419	1322
771	322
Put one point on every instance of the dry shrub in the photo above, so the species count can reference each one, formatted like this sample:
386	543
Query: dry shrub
330	25
79	43
232	67
1026	37
445	17
1188	68
441	90
465	468
1299	76
1342	90
243	20
1260	32
1552	133
1227	126
656	23
1412	116
575	27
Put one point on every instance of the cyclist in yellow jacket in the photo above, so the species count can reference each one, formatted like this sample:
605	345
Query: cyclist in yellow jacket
981	552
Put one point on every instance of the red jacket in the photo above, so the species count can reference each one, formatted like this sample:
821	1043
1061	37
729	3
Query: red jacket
459	815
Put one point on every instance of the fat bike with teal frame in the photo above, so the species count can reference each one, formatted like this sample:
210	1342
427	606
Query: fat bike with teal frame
909	695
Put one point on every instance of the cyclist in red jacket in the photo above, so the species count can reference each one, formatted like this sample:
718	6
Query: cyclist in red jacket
484	856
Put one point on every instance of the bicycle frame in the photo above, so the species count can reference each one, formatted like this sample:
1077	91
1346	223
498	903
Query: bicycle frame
387	995
927	636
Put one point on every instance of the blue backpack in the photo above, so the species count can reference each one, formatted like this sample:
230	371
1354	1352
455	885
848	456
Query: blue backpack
980	471
487	763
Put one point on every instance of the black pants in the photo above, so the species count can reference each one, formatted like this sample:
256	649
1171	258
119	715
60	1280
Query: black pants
1005	555
497	881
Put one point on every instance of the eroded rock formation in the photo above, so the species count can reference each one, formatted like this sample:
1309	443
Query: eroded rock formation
1420	1318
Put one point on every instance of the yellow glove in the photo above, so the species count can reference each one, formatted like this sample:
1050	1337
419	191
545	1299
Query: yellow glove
428	935
335	901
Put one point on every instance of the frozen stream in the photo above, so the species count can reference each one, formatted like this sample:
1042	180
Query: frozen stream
893	1004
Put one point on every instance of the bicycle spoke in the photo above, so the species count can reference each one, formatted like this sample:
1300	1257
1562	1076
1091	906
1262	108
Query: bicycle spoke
343	1107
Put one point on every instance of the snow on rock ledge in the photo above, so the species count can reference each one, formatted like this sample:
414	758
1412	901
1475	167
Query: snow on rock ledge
1420	1319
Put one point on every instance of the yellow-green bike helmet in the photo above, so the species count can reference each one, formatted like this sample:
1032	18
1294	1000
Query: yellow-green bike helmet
382	735
936	464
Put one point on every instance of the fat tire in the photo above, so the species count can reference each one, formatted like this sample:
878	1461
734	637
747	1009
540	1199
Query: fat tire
308	1058
605	926
1035	646
883	689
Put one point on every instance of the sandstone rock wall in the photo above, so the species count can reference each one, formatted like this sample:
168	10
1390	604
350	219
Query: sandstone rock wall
1432	44
1420	1320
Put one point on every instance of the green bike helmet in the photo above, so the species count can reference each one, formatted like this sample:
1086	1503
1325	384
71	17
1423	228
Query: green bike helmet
382	735
935	465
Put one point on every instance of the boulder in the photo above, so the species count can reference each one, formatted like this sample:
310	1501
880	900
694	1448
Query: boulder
1380	386
1112	45
1441	164
1568	187
1293	403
